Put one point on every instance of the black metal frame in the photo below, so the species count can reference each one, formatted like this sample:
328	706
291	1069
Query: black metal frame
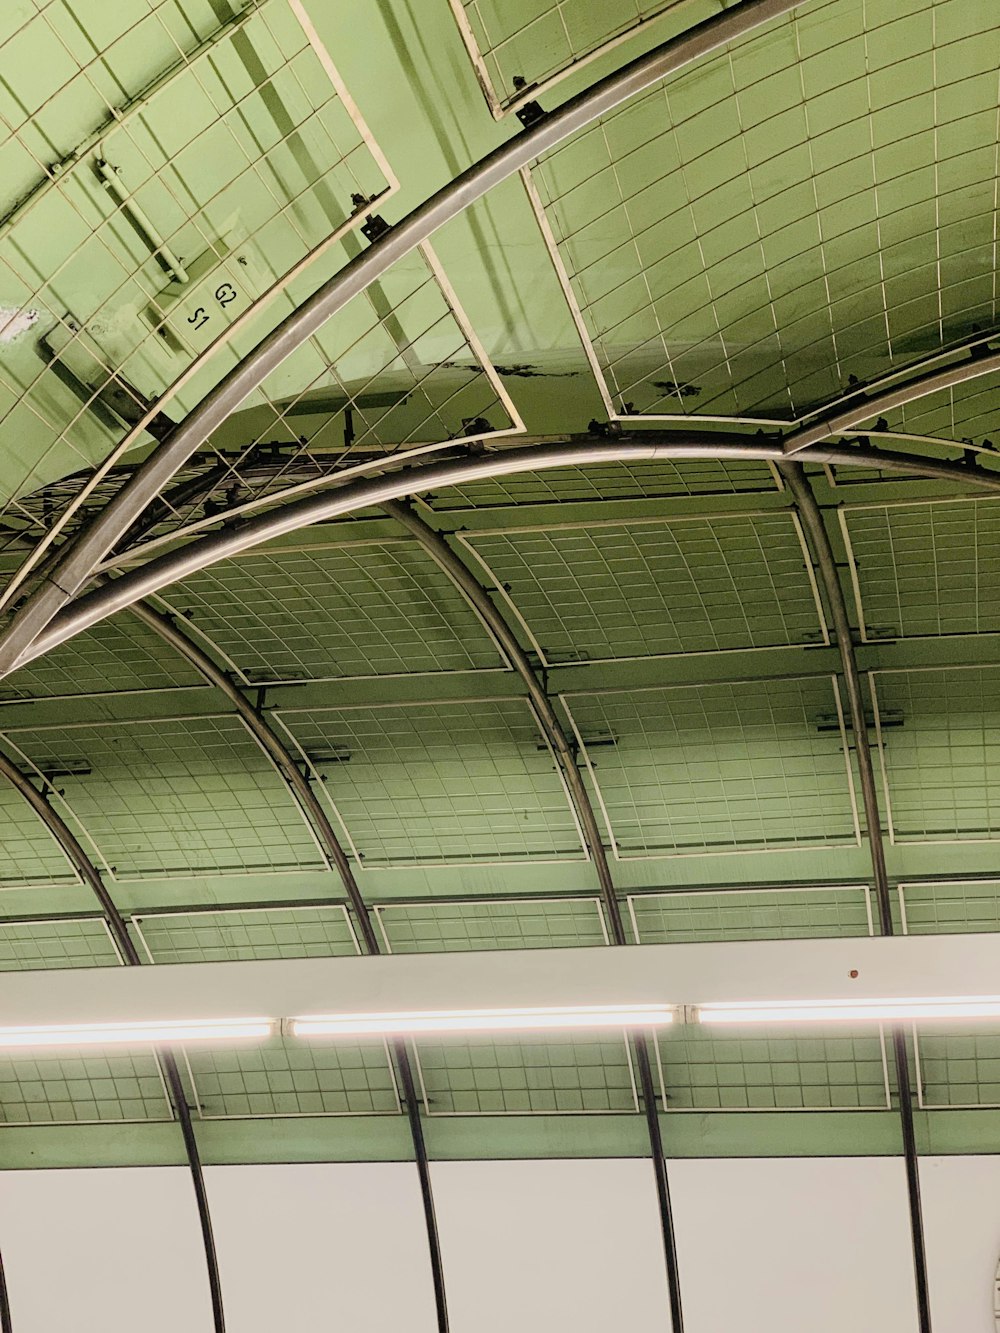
496	625
91	876
281	757
825	562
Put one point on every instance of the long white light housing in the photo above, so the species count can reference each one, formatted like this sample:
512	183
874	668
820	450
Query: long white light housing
482	1020
882	1011
135	1034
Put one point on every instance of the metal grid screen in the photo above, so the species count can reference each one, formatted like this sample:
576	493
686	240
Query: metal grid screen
498	923
815	203
440	782
172	796
750	914
718	767
225	154
370	608
929	568
278	1077
637	589
939	761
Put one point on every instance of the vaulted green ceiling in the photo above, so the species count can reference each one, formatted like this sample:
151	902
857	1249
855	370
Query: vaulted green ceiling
810	210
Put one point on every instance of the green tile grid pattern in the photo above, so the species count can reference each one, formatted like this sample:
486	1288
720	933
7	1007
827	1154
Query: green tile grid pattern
277	1077
942	908
526	1076
608	481
74	942
532	40
214	159
227	935
751	914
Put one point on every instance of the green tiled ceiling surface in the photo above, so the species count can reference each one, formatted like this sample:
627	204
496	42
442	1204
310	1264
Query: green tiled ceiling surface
777	226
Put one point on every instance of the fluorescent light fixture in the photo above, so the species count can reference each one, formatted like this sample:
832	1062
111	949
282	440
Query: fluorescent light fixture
136	1034
482	1020
880	1011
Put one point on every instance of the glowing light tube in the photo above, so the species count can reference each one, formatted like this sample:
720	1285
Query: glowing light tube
879	1011
482	1020
135	1034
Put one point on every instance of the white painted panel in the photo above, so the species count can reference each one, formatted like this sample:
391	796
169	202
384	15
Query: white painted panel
338	1246
108	1250
795	1246
961	1201
538	1247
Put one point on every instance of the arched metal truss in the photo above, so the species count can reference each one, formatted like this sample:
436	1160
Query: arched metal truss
581	451
90	875
84	554
822	554
478	598
283	761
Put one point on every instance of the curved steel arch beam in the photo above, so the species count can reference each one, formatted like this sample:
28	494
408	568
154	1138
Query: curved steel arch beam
283	760
6	1322
481	603
93	543
819	542
150	578
76	855
844	420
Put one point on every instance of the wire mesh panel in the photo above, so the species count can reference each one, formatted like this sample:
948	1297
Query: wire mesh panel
221	156
71	942
173	795
751	914
608	481
708	1070
939	741
533	43
927	568
228	935
448	925
369	608
279	1078
440	782
719	767
957	1069
527	1076
638	589
276	1077
794	215
119	654
28	852
103	1086
944	908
